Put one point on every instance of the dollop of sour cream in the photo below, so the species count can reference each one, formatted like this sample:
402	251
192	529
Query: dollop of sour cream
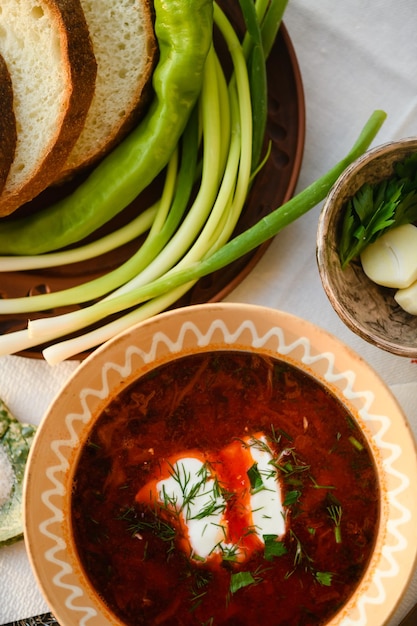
224	504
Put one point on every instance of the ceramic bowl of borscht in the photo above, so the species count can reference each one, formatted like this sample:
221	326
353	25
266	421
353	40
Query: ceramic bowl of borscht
222	464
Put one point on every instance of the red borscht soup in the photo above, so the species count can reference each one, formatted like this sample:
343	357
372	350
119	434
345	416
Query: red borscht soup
225	488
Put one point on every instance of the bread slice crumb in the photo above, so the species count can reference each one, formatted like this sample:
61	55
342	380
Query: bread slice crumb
49	55
125	48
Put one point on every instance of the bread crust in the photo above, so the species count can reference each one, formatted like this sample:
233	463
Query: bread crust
92	147
79	65
8	133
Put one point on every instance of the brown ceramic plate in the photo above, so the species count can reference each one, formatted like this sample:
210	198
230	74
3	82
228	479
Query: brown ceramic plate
273	186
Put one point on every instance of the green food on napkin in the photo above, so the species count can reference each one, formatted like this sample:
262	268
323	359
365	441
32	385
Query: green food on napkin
15	442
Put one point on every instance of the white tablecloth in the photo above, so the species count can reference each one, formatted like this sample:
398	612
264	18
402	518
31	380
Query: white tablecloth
355	56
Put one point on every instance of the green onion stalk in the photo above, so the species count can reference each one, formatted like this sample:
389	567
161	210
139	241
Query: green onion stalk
135	228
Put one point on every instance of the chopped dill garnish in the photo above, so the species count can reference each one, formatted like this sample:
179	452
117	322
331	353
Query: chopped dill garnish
300	554
230	553
211	508
335	514
154	524
93	444
289	464
302	559
317	486
278	433
258	444
200	579
335	511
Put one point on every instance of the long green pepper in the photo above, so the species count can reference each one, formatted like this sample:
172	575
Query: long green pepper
184	30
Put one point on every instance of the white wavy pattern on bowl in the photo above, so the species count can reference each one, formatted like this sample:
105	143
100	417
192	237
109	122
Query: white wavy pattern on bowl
55	473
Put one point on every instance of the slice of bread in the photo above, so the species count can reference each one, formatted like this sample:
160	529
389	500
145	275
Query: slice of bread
7	123
48	51
125	48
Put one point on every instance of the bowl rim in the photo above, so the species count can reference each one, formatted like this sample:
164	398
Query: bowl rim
406	145
115	364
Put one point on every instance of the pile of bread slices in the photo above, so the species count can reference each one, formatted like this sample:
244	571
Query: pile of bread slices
75	77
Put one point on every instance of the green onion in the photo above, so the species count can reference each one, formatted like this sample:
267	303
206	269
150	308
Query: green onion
355	443
136	227
271	24
258	77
